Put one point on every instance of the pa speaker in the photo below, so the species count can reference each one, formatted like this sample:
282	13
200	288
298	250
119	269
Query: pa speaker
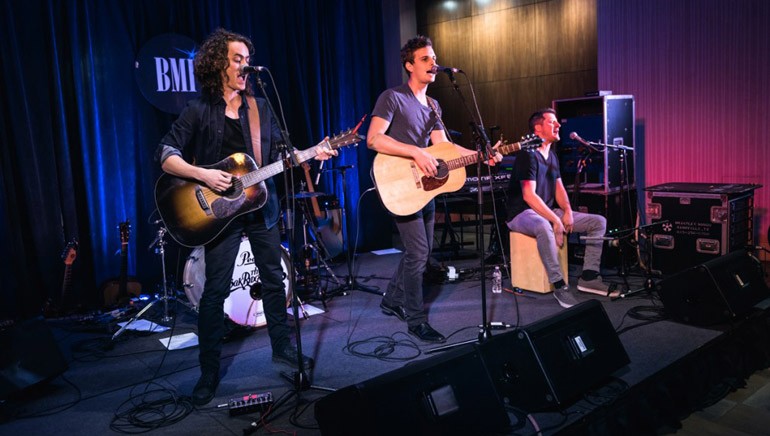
718	291
451	393
30	356
555	360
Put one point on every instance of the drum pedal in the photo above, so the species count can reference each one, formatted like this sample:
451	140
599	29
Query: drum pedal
250	403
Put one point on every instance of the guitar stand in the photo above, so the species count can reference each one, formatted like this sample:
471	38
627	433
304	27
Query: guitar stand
319	248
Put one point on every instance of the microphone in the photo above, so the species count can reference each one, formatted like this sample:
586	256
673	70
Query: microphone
246	69
575	137
448	70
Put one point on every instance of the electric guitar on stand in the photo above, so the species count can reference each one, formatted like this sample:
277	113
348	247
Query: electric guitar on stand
404	188
69	254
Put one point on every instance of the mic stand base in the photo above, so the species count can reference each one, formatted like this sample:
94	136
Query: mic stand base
484	335
352	285
301	383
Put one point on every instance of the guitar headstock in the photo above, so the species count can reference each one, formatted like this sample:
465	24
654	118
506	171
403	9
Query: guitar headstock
70	252
347	137
125	231
527	142
530	141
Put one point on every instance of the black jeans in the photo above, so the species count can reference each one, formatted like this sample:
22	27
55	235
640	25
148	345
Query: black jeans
405	288
220	257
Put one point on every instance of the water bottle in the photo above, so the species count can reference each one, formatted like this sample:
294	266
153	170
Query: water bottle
497	281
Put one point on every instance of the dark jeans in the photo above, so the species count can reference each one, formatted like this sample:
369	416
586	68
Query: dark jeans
220	257
405	288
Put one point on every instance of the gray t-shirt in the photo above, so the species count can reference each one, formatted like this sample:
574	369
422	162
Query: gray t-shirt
410	121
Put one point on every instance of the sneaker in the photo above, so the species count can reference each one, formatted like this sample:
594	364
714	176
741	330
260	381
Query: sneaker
204	390
564	296
597	287
288	355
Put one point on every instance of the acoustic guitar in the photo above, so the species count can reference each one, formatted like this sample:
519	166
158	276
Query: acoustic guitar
328	222
404	188
194	214
119	291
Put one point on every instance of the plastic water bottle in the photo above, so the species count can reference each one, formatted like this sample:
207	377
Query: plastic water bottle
497	281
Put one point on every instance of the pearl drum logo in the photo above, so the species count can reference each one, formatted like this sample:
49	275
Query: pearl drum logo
164	72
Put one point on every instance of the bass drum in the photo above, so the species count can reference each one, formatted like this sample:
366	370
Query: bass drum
239	306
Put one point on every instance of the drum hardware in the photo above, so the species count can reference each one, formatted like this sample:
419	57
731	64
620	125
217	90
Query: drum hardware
159	243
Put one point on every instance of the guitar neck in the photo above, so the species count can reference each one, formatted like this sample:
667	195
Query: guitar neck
123	269
509	148
464	161
313	200
65	285
274	168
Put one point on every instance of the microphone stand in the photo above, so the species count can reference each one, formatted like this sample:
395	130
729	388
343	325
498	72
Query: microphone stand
300	378
623	187
350	282
649	283
484	153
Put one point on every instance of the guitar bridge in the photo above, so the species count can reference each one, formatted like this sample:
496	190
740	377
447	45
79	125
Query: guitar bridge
415	175
202	202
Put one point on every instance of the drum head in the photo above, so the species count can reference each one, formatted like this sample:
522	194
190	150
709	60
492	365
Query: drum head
239	306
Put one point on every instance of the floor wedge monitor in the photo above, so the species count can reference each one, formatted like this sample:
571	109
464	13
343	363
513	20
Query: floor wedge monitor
450	393
553	361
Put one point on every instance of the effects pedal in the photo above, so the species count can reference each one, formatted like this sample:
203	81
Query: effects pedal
250	403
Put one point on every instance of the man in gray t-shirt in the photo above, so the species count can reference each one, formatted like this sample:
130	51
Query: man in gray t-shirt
404	122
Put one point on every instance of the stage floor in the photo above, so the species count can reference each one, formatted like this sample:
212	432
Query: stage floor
107	377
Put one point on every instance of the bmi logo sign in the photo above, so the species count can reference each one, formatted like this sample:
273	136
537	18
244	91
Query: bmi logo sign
164	72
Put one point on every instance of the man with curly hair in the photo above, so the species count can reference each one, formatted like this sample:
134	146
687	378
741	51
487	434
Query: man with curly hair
211	128
404	121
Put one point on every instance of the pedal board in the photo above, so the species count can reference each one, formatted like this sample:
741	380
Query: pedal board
250	403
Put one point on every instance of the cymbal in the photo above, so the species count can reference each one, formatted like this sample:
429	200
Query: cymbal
305	194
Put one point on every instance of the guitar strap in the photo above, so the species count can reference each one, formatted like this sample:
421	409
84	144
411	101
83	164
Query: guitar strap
433	108
256	138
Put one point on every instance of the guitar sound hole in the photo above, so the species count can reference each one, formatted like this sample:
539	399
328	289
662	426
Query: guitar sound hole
235	190
442	170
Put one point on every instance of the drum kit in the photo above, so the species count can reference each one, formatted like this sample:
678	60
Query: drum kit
244	304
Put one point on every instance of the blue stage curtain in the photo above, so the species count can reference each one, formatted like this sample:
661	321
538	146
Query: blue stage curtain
78	136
